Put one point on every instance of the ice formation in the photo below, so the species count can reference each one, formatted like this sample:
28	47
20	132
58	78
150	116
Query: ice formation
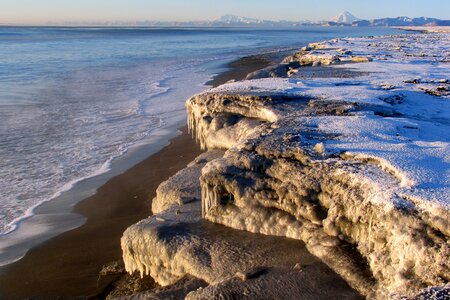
176	244
356	165
346	162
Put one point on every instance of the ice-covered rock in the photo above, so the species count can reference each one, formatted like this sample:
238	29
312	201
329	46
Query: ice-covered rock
152	245
313	57
177	243
356	168
378	184
182	188
226	119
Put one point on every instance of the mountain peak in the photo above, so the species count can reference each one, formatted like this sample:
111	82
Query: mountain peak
345	17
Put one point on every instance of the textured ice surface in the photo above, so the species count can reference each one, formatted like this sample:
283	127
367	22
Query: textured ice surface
362	162
176	242
302	283
356	168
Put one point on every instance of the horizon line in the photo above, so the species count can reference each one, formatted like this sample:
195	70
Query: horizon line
113	23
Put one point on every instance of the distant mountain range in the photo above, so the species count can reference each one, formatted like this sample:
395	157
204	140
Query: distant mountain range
348	19
343	19
403	21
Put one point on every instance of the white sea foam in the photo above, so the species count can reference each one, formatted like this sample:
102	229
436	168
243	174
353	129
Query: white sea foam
91	138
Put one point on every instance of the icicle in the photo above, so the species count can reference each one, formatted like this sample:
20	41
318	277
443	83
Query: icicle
204	201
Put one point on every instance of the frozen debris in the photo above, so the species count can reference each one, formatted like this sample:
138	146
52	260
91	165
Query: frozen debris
387	86
344	51
187	245
170	194
293	71
321	46
360	59
313	57
438	91
394	99
113	268
320	148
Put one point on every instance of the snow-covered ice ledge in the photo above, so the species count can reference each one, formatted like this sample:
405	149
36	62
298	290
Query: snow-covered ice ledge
339	162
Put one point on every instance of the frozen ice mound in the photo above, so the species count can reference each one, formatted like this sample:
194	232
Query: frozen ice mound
356	168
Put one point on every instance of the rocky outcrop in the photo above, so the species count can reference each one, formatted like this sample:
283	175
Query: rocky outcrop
282	180
328	205
315	54
282	184
183	253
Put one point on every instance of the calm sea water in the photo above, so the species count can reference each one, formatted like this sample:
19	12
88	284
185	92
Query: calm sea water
74	99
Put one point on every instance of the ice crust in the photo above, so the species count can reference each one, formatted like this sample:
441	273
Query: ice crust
176	243
363	162
358	169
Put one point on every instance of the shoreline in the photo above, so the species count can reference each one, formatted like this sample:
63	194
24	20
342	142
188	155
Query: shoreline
43	221
46	223
55	216
77	256
108	214
66	257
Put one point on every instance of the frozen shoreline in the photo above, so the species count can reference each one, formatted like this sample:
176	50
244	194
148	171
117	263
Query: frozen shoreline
59	215
54	216
79	186
358	160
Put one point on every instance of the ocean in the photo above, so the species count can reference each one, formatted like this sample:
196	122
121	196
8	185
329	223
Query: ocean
73	100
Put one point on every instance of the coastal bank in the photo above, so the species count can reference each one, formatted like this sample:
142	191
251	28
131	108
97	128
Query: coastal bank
343	146
78	256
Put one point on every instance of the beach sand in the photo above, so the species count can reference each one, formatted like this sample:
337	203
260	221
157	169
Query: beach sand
68	265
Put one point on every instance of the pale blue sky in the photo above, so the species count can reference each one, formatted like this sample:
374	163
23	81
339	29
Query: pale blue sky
40	11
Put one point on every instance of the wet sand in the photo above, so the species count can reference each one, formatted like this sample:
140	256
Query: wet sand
68	265
238	69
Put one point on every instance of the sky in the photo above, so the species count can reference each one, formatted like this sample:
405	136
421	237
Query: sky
42	11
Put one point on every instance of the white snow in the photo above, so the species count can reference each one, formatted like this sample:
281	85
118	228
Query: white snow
414	145
361	157
345	17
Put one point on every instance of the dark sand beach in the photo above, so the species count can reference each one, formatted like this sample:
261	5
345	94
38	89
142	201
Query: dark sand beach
68	265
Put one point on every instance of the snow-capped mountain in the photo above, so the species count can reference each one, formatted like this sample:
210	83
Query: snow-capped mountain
345	18
400	21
